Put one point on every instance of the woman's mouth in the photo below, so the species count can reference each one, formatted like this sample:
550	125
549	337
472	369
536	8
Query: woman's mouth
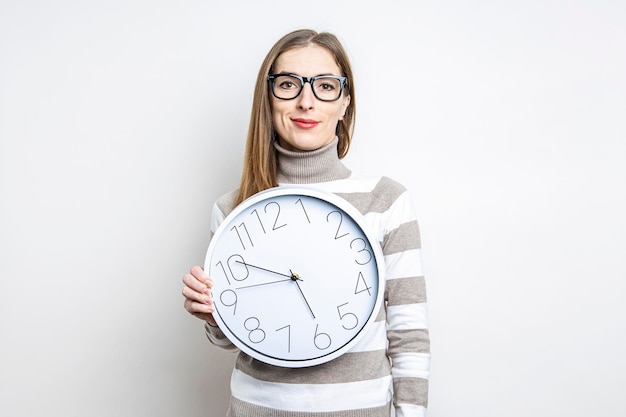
305	123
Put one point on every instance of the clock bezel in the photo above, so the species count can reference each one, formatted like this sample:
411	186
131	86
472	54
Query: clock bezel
356	216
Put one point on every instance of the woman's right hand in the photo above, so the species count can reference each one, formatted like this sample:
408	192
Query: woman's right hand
197	293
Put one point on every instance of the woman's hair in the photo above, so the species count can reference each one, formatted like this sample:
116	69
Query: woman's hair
260	165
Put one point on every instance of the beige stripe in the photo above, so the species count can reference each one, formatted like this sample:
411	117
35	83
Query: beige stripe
384	194
409	341
382	313
404	237
405	291
411	391
226	202
358	366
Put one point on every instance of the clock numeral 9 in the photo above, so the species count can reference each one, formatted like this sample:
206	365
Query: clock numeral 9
229	299
350	316
237	268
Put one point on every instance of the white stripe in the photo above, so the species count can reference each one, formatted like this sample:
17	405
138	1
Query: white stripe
411	365
407	316
374	339
410	410
404	264
311	397
398	213
222	343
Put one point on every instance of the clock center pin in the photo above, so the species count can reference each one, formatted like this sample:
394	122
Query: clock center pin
295	276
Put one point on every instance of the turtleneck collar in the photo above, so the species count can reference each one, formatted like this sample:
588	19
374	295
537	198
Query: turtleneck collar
320	165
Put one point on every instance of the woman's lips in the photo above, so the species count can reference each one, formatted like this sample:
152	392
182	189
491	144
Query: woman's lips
305	123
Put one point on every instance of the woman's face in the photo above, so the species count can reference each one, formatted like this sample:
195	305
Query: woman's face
306	123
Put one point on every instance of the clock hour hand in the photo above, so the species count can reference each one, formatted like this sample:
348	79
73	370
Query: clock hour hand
266	270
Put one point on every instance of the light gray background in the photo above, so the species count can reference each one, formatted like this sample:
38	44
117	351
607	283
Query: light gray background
122	121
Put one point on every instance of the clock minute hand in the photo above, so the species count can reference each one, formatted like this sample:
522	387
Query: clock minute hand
295	277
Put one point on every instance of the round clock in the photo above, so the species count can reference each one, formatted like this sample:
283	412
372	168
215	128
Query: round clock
298	279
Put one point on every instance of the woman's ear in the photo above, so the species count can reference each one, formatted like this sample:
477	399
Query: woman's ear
344	106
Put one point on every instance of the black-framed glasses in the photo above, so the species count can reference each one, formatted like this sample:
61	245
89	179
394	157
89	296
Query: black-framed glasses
289	86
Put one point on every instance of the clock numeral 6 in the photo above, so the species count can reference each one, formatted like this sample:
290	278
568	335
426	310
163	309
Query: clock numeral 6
321	340
253	325
351	317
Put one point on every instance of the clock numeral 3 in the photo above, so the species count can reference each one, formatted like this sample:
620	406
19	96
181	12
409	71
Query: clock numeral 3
364	255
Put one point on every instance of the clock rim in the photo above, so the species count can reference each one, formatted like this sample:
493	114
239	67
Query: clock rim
357	217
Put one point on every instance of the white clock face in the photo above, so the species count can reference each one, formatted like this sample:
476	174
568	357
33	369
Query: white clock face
297	279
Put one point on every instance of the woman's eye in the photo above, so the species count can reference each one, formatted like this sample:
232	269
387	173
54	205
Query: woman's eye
287	85
327	87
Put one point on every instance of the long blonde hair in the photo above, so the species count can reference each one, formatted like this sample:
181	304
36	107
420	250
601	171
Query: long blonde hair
260	165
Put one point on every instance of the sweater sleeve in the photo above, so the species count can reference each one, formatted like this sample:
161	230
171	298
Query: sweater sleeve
214	333
407	320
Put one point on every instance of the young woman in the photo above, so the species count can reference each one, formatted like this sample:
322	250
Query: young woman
302	120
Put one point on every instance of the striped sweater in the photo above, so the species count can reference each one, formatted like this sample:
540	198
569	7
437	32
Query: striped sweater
390	365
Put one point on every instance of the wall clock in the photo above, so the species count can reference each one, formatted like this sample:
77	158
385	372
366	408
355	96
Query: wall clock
298	279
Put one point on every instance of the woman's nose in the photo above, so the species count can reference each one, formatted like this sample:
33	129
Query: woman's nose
306	98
